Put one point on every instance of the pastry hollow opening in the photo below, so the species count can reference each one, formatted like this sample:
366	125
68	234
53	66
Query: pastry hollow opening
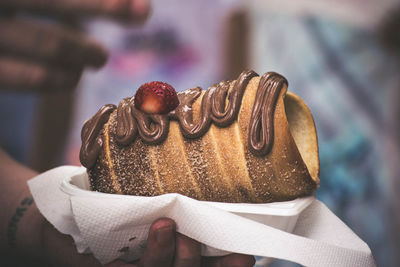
302	128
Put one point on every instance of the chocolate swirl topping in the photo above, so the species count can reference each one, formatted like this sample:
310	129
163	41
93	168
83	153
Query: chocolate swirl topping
212	106
90	135
261	131
153	129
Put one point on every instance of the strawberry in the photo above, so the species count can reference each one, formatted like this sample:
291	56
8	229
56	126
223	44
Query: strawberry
156	98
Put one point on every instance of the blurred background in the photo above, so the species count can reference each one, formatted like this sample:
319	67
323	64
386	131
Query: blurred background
342	57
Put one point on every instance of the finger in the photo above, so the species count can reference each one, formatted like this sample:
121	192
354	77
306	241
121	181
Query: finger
27	76
135	10
232	260
160	244
187	252
49	44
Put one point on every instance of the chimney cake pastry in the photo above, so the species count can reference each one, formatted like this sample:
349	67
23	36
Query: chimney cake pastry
247	140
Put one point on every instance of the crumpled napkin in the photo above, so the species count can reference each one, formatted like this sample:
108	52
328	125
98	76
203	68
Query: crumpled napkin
116	226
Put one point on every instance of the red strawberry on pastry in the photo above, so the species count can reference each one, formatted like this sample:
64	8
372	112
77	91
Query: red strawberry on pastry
156	98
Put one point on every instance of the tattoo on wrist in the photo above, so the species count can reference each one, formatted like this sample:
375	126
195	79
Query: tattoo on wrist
13	223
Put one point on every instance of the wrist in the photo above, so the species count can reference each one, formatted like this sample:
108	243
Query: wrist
21	223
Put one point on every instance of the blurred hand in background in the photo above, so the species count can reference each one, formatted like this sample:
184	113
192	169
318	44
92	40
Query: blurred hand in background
42	47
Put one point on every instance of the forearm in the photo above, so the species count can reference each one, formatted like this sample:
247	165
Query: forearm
21	223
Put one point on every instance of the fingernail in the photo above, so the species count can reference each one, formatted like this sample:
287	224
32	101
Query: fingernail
164	236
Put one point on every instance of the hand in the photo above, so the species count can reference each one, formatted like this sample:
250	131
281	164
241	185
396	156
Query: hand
24	233
165	248
44	56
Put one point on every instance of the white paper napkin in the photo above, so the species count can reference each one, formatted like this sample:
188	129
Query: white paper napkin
117	226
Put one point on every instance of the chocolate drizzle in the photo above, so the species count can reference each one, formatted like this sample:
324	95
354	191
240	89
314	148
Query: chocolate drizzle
261	127
153	129
91	139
